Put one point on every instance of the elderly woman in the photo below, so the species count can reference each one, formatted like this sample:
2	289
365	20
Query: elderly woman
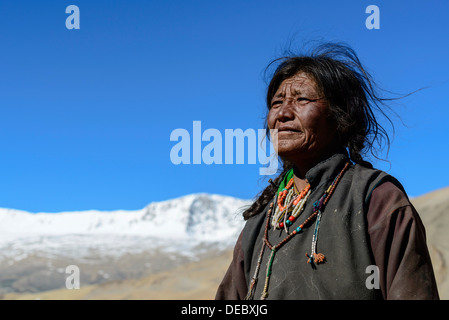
329	226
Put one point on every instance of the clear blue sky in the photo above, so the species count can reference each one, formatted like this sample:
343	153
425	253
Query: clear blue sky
86	115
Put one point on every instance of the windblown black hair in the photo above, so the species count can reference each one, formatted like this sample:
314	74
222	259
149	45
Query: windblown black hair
353	99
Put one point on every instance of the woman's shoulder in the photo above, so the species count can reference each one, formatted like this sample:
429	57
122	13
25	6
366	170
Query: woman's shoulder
378	181
384	194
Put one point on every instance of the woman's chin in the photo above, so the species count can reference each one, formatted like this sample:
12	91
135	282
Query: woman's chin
288	153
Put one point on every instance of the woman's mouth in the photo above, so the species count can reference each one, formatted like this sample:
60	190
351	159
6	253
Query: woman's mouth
288	130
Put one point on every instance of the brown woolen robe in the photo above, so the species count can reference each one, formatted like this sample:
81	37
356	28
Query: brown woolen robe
389	234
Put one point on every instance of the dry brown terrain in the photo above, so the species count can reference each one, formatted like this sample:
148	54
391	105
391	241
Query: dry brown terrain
193	281
434	211
199	280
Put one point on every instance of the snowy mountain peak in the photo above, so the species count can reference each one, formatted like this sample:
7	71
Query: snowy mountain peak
200	216
35	248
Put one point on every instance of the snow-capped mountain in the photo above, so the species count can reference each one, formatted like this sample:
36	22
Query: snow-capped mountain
113	244
197	216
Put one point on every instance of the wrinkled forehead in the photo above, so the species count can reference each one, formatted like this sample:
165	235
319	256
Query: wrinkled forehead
299	84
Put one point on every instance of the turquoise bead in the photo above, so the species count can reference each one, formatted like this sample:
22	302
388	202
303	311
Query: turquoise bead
288	223
298	229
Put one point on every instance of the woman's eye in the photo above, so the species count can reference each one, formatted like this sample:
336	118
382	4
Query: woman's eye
304	99
276	103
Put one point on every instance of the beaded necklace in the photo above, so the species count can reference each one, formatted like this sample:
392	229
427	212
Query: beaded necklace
318	206
288	206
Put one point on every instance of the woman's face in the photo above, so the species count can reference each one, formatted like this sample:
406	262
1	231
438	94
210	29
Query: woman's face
305	129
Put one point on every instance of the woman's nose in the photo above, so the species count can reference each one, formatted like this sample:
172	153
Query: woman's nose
286	110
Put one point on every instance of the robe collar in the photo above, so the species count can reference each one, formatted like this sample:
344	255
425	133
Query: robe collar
326	170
